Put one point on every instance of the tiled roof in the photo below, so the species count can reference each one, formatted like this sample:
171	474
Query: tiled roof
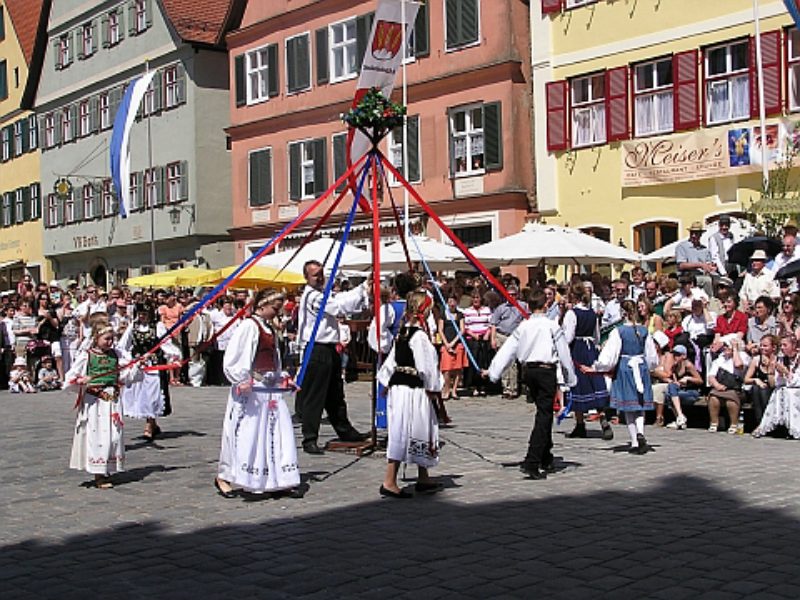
25	16
199	22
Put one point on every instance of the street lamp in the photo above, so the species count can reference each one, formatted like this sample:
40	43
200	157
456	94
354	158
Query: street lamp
175	214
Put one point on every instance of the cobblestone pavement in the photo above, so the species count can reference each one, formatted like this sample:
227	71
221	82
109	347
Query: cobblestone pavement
703	516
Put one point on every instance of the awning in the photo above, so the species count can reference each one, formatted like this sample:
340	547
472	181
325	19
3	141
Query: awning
11	263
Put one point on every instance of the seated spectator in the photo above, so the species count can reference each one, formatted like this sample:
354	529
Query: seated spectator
20	380
686	294
725	376
683	386
784	404
732	321
761	323
761	376
699	324
648	317
661	374
47	378
674	327
788	317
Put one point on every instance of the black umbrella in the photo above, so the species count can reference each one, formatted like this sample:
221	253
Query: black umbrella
789	271
741	252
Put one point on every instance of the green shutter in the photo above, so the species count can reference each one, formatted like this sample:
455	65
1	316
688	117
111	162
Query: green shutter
105	31
184	191
412	134
121	20
321	47
3	80
363	29
272	71
94	36
453	23
469	21
57	54
158	91
81	55
59	211
240	82
97	201
422	46
180	83
297	61
131	17
493	136
339	159
78	204
26	139
26	203
320	167
149	15
261	177
295	172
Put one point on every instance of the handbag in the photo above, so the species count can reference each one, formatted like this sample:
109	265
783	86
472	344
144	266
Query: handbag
730	380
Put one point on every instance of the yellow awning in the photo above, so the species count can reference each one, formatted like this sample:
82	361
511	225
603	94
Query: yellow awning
187	277
255	277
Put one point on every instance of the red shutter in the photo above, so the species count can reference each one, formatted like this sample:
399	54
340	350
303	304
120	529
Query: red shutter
617	104
684	76
552	6
557	137
771	66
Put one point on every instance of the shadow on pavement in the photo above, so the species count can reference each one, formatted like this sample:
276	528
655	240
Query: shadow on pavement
681	539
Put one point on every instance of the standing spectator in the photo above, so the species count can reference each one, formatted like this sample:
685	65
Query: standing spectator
168	314
758	281
453	357
91	305
477	332
613	310
638	285
24	327
553	307
6	353
504	320
49	329
25	286
719	245
220	317
70	331
725	377
345	337
692	257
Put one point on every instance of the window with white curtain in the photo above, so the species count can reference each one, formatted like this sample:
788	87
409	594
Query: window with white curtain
793	66
653	107
588	110
466	130
727	82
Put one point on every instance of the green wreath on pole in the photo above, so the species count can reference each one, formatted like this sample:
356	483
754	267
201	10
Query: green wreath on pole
375	115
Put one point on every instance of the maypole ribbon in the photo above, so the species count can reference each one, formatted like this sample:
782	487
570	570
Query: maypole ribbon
329	284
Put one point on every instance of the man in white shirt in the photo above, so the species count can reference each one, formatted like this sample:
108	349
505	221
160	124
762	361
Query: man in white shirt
787	255
219	318
719	244
758	282
613	310
540	344
323	387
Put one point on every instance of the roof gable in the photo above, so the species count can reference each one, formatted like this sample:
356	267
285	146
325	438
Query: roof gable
202	22
25	15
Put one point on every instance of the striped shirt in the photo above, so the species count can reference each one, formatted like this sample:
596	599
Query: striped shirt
476	320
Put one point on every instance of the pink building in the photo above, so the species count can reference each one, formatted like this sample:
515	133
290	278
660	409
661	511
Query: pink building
294	66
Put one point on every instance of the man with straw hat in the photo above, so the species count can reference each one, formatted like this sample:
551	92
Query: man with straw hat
692	257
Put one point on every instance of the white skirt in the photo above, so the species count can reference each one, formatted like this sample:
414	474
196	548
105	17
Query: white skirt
783	409
98	446
413	427
144	399
258	452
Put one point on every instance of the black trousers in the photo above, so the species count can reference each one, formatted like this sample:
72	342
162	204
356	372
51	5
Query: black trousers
215	375
542	384
760	399
323	389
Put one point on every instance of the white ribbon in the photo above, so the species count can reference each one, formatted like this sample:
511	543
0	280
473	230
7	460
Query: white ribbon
634	363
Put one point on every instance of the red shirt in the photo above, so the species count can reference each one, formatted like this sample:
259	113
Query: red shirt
672	333
736	324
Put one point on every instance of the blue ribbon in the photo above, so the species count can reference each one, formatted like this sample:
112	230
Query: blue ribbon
329	285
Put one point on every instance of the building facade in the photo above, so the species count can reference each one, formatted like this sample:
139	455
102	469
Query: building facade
180	173
294	66
20	188
652	112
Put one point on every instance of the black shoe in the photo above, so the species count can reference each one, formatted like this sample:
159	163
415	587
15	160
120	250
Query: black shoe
223	493
402	494
641	445
579	431
608	433
312	448
428	488
533	472
549	468
354	436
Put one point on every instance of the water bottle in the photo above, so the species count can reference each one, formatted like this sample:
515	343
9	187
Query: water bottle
740	424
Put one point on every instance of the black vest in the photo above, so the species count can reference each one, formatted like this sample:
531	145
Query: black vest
406	370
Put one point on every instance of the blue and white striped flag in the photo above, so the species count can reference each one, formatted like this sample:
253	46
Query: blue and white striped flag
793	6
120	138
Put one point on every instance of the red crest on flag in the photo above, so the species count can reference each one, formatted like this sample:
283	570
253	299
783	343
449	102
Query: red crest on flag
387	40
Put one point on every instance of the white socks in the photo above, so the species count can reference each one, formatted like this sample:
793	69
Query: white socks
635	422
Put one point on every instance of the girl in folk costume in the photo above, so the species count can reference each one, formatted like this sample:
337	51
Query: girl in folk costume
258	451
148	398
629	354
411	372
98	446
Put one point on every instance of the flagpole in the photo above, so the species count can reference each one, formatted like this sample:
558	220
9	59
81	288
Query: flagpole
152	201
406	170
761	108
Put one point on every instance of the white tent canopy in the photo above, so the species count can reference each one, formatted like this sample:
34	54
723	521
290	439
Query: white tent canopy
437	255
740	229
555	245
317	249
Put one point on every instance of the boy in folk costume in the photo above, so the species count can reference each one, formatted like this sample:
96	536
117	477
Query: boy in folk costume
411	372
258	452
98	446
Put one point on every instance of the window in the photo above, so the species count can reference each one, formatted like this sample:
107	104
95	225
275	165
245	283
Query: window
258	75
307	169
20	208
298	63
33	133
8	201
466	131
105	111
177	182
653	104
343	50
19	138
64	50
67	131
114	28
84	119
474	235
69	208
6	134
395	143
588	110
3	80
88	202
50	131
35	201
2	24
727	82
52	210
462	22
793	66
601	233
151	103
173	94
87	40
141	19
135	200
649	237
260	177
152	183
109	201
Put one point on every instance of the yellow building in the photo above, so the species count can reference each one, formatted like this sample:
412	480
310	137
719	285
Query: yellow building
647	113
20	192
